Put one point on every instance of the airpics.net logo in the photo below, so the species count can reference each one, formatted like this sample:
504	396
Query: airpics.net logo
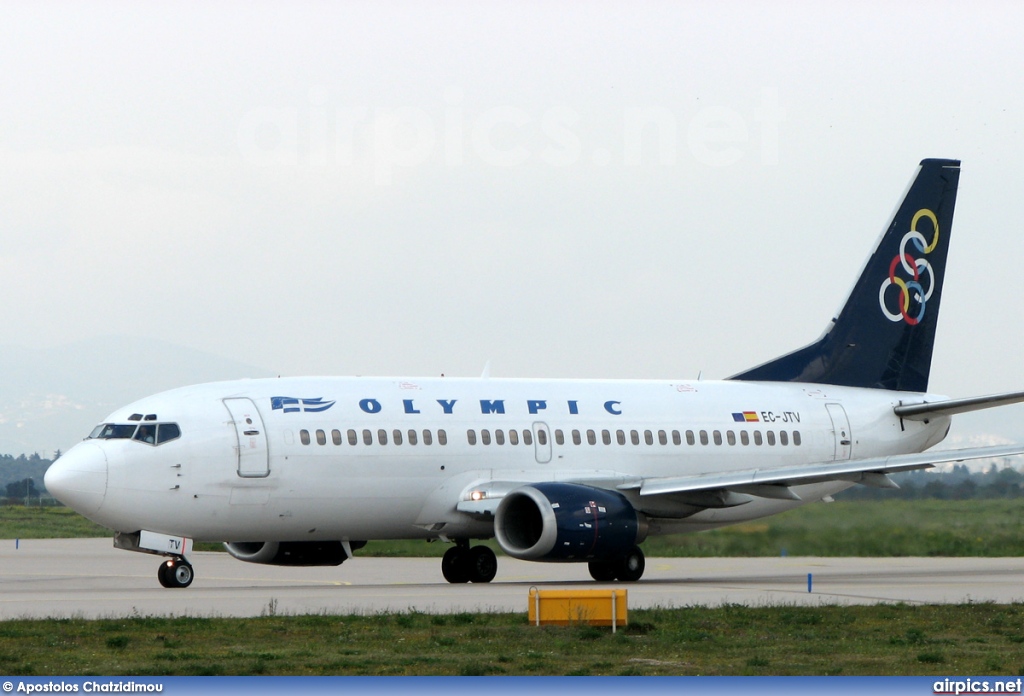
971	687
450	132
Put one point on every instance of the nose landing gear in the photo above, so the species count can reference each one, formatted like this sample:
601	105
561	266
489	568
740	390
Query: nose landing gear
175	573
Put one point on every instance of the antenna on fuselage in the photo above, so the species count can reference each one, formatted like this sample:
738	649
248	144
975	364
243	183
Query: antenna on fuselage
486	374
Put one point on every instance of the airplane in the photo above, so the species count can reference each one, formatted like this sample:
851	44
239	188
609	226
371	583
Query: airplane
304	471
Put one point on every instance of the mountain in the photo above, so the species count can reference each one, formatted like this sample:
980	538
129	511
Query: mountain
51	398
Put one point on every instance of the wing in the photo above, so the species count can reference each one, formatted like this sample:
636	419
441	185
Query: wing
778	483
718	490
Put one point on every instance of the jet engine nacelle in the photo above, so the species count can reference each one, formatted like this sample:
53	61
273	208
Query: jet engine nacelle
291	553
566	522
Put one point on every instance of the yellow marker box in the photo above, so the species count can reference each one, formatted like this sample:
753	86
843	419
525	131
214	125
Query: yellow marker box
567	607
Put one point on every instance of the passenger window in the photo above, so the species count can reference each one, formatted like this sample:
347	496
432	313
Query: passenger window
428	437
304	437
442	437
542	437
591	437
796	438
367	437
606	437
499	437
757	438
485	436
321	437
412	437
513	437
166	432
352	437
527	437
471	437
620	437
336	437
662	438
396	436
559	438
689	437
648	437
730	437
147	434
718	437
676	440
703	437
634	437
744	437
783	437
382	436
771	437
576	440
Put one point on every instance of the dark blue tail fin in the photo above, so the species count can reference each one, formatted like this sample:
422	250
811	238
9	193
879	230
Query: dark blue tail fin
883	336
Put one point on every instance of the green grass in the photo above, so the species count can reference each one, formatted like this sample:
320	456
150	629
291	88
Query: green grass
20	522
868	528
731	640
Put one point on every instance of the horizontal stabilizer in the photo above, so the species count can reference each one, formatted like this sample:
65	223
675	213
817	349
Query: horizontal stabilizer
951	407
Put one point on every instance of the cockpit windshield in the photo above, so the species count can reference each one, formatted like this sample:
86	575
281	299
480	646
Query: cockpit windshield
149	433
113	431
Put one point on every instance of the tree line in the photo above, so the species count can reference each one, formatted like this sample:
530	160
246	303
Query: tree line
958	484
21	477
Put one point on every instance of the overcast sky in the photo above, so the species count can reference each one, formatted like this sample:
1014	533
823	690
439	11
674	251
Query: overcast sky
619	189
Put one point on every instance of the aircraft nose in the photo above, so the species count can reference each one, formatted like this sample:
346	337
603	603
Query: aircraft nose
79	478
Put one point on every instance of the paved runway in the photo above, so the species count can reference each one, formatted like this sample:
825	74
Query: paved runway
89	578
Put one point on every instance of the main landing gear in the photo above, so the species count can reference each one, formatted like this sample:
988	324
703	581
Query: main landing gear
175	572
464	564
627	568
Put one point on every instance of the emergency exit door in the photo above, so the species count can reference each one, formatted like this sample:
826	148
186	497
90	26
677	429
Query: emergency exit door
841	430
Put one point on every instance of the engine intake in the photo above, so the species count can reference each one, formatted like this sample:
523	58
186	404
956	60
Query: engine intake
566	522
291	553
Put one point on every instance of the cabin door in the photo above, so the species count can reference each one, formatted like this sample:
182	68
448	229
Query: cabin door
251	447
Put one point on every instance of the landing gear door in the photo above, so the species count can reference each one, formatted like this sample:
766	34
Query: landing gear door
841	430
251	448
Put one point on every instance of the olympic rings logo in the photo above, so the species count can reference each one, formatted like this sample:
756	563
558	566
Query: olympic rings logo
913	297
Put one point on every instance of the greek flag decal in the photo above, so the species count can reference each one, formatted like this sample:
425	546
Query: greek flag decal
290	404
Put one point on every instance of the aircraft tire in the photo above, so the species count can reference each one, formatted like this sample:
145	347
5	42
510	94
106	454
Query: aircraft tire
630	567
455	565
483	565
175	574
602	571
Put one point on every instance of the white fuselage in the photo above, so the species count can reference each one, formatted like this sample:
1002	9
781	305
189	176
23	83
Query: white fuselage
318	458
